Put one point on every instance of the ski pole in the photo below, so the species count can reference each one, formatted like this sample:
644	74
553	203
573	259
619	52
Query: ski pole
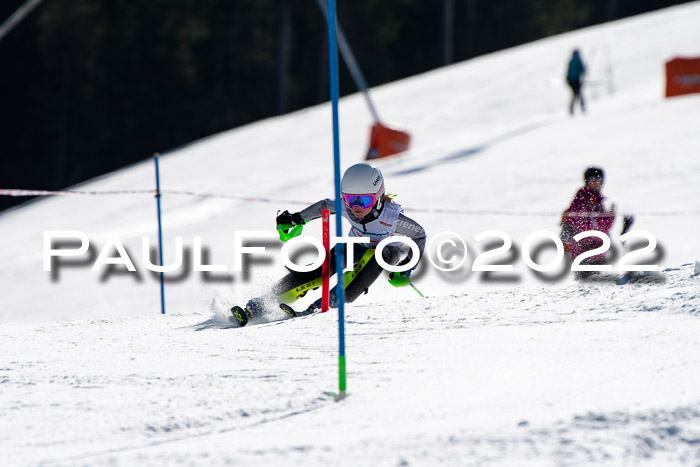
414	288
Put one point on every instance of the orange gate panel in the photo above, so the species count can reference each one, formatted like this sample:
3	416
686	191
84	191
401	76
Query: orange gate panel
682	76
386	141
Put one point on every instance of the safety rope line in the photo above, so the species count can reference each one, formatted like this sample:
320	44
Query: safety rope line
236	197
23	193
473	212
485	212
20	193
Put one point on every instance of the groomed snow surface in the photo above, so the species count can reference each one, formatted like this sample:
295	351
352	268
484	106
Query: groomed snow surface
489	369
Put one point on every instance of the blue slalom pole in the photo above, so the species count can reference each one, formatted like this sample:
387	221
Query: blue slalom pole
160	237
340	287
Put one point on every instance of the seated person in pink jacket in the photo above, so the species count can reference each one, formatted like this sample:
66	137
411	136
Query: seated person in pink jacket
587	213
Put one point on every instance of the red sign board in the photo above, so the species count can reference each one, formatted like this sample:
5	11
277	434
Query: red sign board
682	76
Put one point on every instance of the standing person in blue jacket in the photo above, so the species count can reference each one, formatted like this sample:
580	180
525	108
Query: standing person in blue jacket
574	76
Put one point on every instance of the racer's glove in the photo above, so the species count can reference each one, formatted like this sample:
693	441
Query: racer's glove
286	218
400	279
289	225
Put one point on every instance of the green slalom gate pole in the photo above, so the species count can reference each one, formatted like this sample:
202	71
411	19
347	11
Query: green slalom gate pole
414	288
340	287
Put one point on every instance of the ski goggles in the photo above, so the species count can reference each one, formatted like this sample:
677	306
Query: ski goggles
363	201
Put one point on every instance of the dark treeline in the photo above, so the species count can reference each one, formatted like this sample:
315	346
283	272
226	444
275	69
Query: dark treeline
89	86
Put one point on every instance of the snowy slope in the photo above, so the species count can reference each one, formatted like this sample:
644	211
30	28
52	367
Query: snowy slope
537	376
512	370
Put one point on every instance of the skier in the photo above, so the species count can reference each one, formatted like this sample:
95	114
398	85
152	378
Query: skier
587	212
373	215
574	76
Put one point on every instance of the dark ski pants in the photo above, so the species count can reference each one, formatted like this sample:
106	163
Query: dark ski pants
575	86
359	284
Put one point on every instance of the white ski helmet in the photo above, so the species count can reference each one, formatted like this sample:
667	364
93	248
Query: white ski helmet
362	179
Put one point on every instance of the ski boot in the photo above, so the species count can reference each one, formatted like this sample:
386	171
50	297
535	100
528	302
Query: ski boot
254	307
332	302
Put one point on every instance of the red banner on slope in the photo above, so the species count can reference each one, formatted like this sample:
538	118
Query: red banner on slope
682	76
